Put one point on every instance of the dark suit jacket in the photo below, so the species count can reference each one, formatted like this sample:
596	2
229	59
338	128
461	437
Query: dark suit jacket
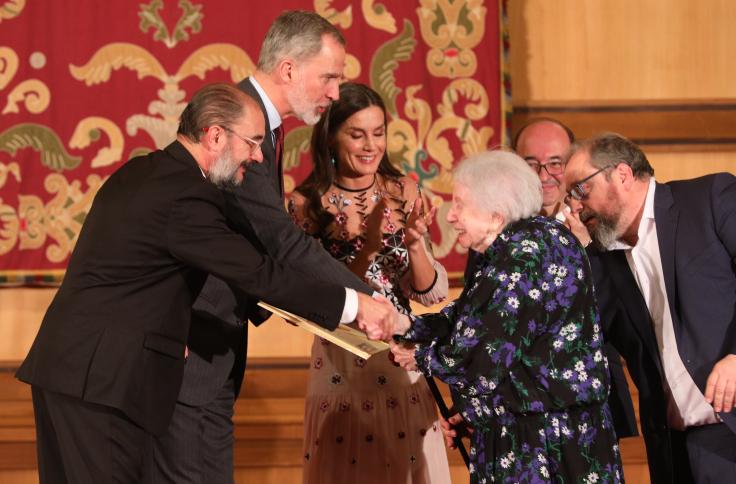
255	209
115	332
696	230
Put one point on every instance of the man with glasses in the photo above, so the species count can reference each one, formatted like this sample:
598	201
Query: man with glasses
668	274
543	143
299	70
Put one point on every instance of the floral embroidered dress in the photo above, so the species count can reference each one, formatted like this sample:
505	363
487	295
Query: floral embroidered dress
522	350
368	421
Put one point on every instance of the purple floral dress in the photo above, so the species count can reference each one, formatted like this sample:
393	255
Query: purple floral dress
521	348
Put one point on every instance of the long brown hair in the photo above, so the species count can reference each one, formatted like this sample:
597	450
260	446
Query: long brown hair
353	98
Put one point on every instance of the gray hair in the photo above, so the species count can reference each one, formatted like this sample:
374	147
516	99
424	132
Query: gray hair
216	104
501	182
611	149
296	34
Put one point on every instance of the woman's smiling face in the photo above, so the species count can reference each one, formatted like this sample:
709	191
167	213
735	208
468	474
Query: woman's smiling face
361	144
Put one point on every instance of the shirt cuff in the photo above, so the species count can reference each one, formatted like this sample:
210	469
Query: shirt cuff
350	310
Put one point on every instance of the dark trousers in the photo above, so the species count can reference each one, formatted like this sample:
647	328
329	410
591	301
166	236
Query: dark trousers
82	442
704	455
198	445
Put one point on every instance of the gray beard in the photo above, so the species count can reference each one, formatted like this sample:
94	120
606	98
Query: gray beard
605	234
303	110
223	171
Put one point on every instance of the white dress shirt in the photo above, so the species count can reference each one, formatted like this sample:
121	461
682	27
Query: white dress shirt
686	405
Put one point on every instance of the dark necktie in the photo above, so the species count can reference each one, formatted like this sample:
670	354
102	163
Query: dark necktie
278	136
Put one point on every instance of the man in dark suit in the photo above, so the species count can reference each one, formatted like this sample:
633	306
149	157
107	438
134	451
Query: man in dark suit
300	65
107	363
667	276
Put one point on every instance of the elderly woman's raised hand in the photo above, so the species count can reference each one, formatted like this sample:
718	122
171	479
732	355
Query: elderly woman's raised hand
417	224
403	355
576	226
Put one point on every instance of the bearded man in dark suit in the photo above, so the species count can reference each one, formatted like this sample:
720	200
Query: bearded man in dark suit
667	280
107	363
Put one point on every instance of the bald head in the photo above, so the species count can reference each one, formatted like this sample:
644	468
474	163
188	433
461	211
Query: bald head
543	144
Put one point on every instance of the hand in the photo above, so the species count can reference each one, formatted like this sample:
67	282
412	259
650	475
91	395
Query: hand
720	388
454	427
417	224
377	317
403	326
578	228
403	355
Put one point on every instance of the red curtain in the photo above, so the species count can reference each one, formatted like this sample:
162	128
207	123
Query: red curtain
85	85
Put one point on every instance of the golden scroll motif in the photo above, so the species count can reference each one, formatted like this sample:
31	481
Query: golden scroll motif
378	16
32	93
60	220
342	19
452	28
162	119
8	65
190	19
88	131
11	9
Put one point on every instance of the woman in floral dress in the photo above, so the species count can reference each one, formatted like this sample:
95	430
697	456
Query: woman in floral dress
368	421
521	347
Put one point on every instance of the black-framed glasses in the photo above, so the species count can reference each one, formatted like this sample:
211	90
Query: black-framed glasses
254	145
556	167
578	190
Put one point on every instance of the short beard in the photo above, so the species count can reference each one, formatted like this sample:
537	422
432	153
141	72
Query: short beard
223	172
605	233
301	107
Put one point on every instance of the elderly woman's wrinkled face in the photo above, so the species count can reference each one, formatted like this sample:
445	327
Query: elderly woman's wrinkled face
476	229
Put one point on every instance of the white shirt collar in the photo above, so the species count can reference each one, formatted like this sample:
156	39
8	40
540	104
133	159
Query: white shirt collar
274	118
647	214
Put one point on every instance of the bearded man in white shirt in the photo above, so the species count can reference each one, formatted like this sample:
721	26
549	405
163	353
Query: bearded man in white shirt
668	273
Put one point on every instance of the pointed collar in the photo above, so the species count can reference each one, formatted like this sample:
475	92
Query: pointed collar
274	118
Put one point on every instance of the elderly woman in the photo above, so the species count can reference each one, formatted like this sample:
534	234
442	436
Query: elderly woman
521	347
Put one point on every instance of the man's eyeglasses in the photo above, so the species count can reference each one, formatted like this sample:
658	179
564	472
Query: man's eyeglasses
579	191
552	167
254	145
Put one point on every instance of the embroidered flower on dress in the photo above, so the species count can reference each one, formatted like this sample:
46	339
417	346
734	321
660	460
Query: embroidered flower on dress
367	405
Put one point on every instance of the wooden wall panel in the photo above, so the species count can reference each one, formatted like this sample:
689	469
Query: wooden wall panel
664	126
621	50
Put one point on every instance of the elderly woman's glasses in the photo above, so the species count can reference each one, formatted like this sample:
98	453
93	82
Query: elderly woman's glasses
552	167
579	190
254	145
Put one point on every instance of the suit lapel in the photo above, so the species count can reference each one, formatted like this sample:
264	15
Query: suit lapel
634	303
665	219
268	148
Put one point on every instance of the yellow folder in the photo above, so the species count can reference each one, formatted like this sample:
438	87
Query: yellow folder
344	336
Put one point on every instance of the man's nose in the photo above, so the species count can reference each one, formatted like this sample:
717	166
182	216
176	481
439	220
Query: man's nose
257	156
333	91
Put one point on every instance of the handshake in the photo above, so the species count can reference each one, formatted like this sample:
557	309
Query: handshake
378	318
